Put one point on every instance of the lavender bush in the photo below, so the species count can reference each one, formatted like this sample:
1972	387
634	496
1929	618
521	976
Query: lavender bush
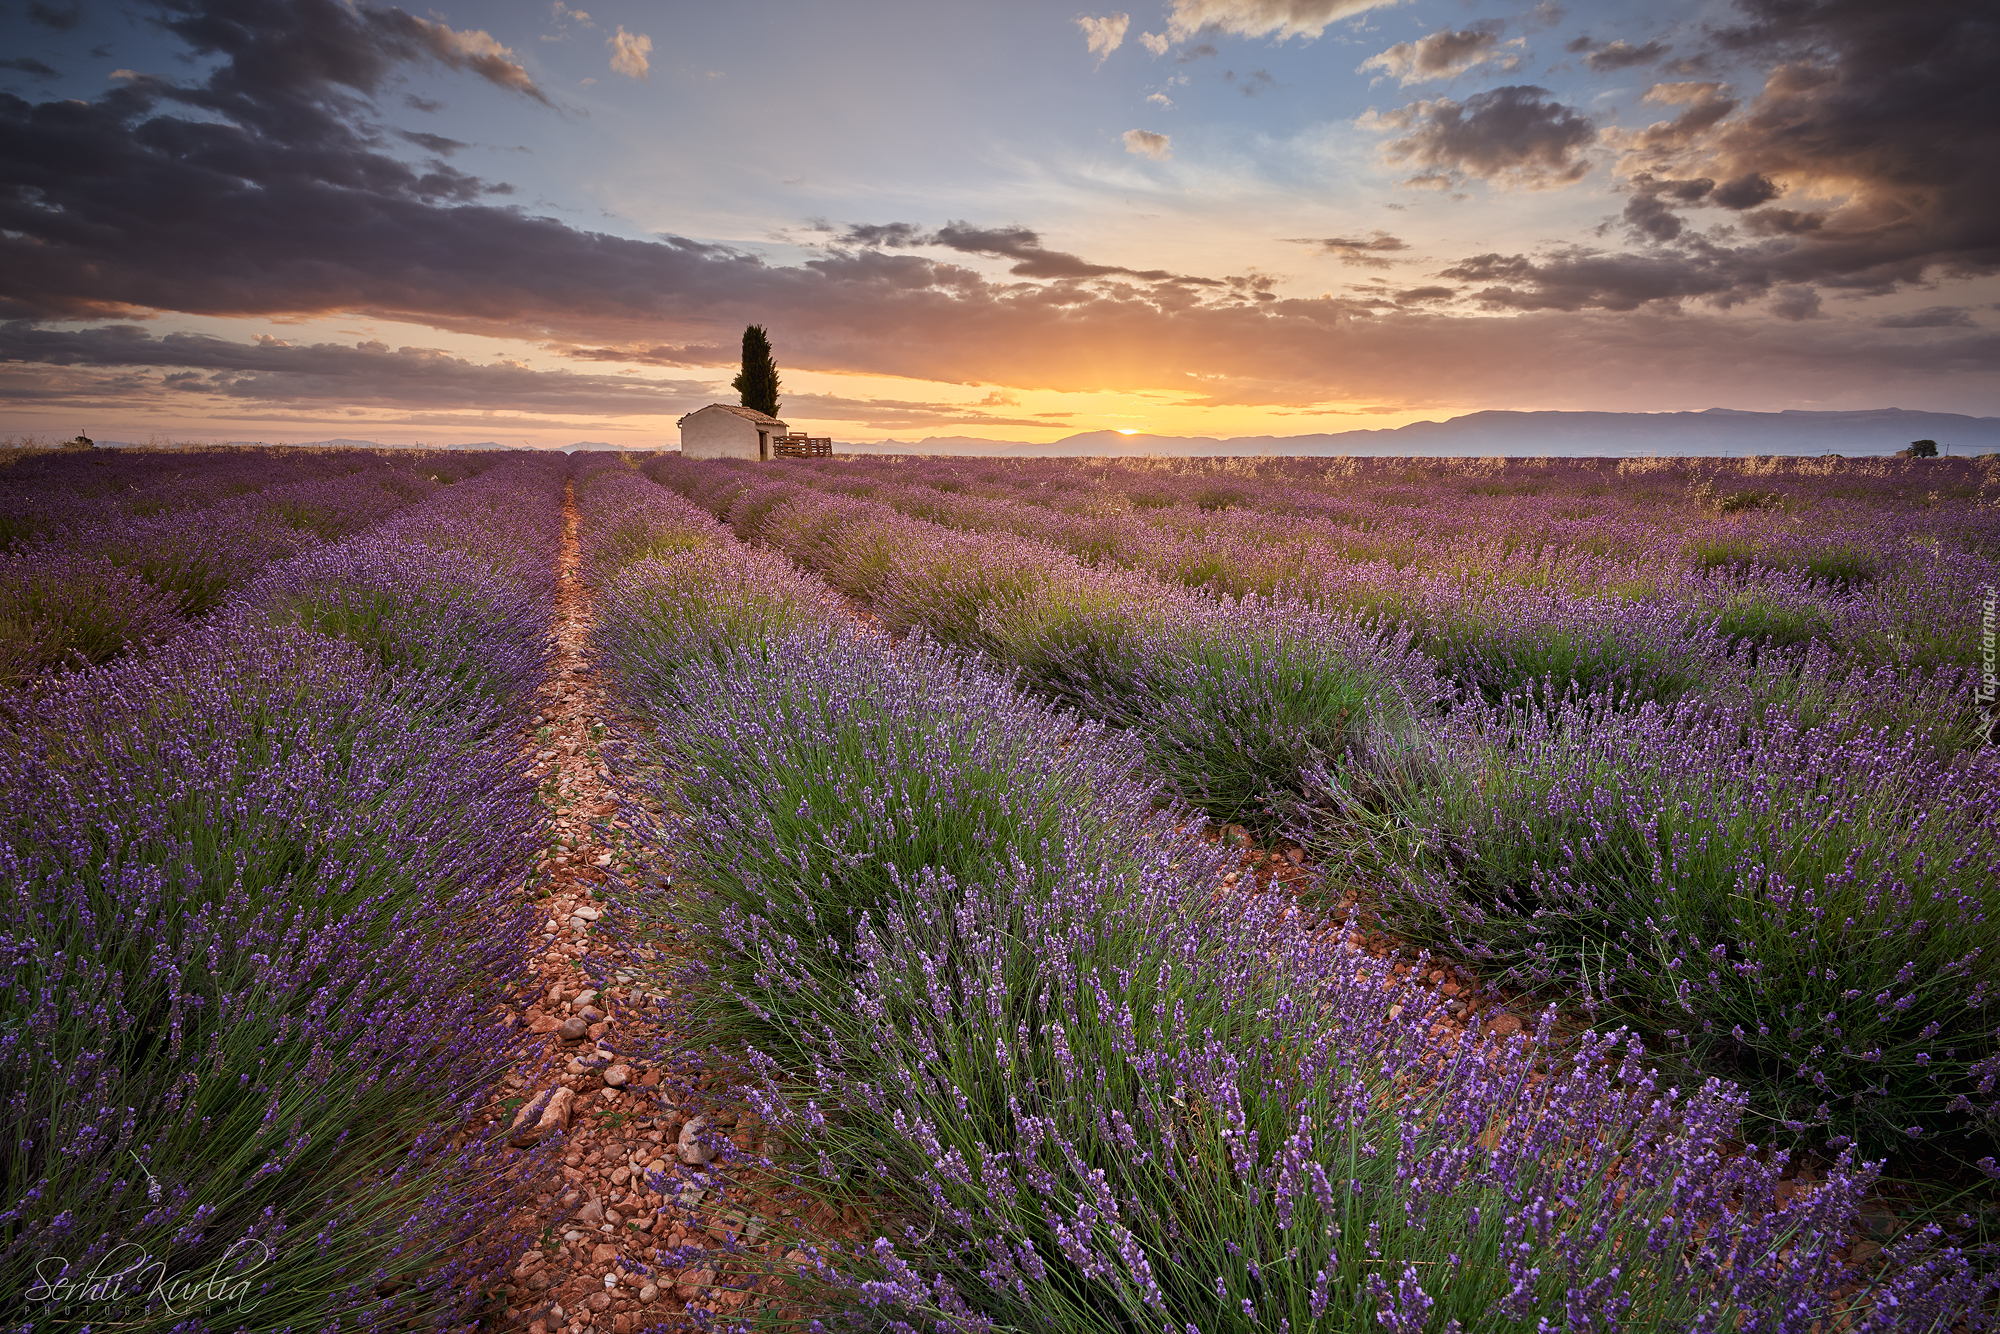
1543	821
259	898
70	609
1806	905
999	997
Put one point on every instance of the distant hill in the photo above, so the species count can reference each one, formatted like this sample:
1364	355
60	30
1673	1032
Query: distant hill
1535	434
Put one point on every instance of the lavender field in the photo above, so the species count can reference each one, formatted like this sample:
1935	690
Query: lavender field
1341	895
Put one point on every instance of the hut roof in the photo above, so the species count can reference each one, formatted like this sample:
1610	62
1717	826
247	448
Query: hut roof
748	414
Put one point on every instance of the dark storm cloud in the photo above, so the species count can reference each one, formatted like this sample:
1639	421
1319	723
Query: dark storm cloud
1621	54
1516	136
1882	122
28	65
370	374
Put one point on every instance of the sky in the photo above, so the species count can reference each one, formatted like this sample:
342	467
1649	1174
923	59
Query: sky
541	223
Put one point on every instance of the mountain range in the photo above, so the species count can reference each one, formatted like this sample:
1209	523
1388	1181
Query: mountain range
1536	434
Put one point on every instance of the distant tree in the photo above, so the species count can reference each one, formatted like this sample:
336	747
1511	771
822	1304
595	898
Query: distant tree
1919	449
758	382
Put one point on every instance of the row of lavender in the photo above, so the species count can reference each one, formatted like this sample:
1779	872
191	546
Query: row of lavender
259	901
1789	874
1881	567
998	1001
101	551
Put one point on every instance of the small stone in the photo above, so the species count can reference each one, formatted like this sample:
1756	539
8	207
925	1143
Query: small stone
649	1294
572	1235
692	1151
592	1212
544	1023
618	1076
1505	1026
540	1280
604	1255
1863	1251
588	915
590	1014
541	1118
597	1030
622	1324
608	1094
621	1176
575	1028
657	1165
584	998
598	1301
634	1280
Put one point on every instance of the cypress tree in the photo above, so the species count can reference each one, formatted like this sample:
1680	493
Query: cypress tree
758	382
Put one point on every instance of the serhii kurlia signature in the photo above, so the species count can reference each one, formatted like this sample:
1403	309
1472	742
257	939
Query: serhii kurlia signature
129	1271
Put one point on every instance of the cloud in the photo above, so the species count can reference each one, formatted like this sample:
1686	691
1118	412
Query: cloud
28	65
1155	42
1104	35
1421	295
1795	303
1863	112
1253	83
628	53
562	13
267	193
1033	260
1441	55
432	143
1621	54
1262	18
1368	252
1196	52
1160	99
1517	137
473	50
60	17
1930	317
1145	143
888	234
365	374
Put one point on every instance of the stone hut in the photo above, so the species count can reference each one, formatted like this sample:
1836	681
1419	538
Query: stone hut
728	431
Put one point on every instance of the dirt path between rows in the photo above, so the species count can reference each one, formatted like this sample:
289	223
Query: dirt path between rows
636	1223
